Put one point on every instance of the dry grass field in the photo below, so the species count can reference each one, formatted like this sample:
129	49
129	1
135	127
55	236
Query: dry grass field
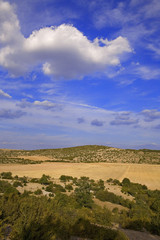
140	173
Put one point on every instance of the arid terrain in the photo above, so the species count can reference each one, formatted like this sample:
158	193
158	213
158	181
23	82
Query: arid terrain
95	162
141	173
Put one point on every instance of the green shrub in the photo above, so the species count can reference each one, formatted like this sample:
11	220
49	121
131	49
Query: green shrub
51	195
116	182
6	175
34	180
17	183
83	198
6	187
126	182
100	184
44	179
68	187
58	188
109	180
26	193
49	188
65	178
38	192
16	177
23	179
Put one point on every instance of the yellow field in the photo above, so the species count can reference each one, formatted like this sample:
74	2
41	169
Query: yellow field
141	173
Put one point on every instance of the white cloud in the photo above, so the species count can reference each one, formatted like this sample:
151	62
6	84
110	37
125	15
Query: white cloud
63	51
3	94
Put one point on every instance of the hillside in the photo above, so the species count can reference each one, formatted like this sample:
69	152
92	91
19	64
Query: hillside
88	153
74	208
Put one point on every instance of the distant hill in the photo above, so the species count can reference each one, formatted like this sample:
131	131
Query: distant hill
86	154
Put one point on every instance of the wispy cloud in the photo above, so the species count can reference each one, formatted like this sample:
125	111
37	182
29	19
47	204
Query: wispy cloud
4	94
155	48
147	72
129	18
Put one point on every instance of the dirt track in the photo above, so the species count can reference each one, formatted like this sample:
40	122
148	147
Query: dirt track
141	173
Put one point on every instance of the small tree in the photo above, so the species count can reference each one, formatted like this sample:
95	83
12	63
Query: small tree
126	182
44	179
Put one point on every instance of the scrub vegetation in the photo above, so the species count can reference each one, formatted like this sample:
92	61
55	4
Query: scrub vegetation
70	208
88	154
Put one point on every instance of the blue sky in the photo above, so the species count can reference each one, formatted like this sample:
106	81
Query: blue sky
79	72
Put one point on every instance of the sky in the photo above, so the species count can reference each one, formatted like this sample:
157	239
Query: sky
79	72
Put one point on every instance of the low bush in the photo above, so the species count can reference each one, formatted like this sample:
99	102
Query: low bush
6	187
68	187
6	175
44	179
38	192
17	184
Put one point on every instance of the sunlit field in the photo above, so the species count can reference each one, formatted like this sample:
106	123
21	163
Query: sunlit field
141	173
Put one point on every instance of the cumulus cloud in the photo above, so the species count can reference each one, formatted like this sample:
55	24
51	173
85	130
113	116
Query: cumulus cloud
3	94
11	114
97	123
150	115
123	119
62	51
